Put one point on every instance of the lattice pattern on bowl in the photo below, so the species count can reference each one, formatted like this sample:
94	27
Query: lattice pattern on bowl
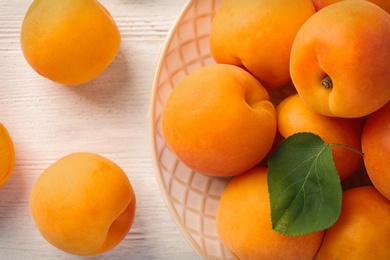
191	197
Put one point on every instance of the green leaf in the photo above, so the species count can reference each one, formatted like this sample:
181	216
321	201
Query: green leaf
304	186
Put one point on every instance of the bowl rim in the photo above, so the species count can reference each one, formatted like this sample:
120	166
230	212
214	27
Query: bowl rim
151	134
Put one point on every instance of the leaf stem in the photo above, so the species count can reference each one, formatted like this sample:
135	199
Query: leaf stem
348	147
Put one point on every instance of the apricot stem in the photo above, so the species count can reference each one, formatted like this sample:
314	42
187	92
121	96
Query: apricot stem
327	82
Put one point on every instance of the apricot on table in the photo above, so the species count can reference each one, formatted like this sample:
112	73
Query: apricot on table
219	120
83	204
258	34
7	155
69	41
243	222
339	59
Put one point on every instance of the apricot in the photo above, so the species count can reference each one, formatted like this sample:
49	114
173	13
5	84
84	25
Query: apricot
319	4
69	41
339	59
376	149
243	222
83	204
295	116
7	155
258	35
219	120
362	230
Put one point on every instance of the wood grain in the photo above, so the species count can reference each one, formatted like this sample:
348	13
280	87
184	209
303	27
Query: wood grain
107	115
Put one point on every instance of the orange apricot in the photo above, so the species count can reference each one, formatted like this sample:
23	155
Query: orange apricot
319	4
258	34
83	204
339	59
69	41
295	116
243	222
219	120
362	230
376	149
7	155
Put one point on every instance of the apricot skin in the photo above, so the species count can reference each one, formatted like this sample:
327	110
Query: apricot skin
376	149
319	4
69	41
348	41
7	155
362	230
258	34
243	222
219	120
295	116
83	204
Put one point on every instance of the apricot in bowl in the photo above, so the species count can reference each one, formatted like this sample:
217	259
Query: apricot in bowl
219	120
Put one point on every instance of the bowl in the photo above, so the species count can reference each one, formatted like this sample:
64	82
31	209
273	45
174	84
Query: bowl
191	197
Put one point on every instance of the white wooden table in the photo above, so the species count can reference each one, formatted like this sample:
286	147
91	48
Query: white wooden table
107	116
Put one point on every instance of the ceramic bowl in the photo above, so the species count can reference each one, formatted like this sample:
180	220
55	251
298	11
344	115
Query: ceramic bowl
191	197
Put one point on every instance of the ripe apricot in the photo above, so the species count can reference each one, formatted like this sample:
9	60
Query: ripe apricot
69	41
376	149
258	34
319	4
243	222
295	116
362	230
83	204
339	59
7	155
219	120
